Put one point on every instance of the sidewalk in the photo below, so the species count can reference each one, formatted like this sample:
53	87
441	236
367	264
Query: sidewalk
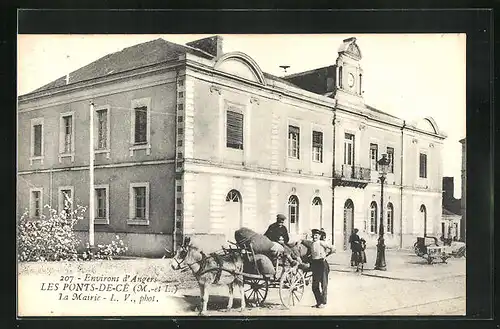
401	265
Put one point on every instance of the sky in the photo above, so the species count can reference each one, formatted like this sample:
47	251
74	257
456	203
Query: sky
408	75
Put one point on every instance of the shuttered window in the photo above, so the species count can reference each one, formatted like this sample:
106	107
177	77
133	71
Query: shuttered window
423	165
141	124
37	131
234	130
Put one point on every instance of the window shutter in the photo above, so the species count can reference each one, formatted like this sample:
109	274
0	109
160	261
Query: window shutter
38	140
234	130
140	124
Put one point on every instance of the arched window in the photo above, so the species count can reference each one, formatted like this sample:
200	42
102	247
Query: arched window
390	218
423	213
232	213
373	217
316	213
293	212
233	196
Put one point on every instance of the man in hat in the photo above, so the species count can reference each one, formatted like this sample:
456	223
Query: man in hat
320	249
277	230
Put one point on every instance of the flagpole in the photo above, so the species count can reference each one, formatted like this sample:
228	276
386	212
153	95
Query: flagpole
91	167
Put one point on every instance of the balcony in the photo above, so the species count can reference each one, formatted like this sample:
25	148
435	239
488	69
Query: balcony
352	176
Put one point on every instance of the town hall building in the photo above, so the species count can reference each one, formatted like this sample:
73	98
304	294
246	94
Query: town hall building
189	140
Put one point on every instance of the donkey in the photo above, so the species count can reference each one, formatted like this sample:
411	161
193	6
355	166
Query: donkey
211	270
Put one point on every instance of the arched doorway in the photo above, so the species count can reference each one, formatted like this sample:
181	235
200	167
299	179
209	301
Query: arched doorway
316	213
348	221
233	213
293	214
423	216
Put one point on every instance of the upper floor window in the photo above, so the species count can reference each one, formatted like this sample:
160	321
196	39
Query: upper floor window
102	129
139	203
349	149
141	125
36	139
317	146
67	134
423	165
293	142
36	202
390	157
140	129
373	156
234	130
373	217
390	218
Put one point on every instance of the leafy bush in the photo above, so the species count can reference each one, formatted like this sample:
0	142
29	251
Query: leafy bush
53	238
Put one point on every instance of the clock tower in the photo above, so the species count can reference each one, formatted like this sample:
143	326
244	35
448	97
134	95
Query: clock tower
349	81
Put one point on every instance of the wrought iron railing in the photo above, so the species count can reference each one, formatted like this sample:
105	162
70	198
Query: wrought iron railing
353	172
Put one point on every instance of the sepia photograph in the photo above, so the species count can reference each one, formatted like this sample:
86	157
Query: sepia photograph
241	175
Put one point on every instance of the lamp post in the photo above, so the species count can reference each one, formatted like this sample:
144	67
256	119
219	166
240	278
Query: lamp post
383	164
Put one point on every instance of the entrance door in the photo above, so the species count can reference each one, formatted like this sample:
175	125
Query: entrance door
348	221
233	218
316	213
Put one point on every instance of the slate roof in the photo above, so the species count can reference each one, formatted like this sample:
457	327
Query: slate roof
143	54
314	80
447	212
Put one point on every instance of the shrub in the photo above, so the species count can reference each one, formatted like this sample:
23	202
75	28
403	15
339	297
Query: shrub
53	238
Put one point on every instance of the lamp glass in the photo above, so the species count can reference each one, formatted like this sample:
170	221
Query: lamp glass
383	164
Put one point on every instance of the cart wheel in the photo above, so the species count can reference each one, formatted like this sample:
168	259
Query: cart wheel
429	260
292	286
444	259
256	290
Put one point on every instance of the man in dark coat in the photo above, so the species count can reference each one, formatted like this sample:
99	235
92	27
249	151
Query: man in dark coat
355	242
277	230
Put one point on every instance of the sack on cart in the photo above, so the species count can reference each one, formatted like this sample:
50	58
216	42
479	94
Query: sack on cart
259	264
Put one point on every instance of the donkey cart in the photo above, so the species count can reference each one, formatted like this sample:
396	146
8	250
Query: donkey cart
289	280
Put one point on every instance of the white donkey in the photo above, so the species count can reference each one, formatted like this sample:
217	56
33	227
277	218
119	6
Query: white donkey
211	270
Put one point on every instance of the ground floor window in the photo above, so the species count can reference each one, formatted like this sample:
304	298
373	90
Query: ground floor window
139	203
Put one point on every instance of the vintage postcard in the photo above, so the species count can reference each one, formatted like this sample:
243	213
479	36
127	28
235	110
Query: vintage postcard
247	175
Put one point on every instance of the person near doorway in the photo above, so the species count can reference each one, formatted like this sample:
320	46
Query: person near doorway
277	230
355	242
320	250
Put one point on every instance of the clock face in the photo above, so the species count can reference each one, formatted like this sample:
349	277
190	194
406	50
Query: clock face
350	80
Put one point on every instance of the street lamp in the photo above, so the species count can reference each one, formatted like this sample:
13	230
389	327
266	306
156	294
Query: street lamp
383	165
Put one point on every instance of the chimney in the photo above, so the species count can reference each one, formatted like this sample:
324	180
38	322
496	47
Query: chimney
211	45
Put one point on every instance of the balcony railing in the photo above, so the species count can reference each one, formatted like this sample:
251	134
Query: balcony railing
355	176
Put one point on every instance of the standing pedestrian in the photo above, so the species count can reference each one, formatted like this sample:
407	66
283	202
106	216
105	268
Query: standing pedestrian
320	268
355	241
